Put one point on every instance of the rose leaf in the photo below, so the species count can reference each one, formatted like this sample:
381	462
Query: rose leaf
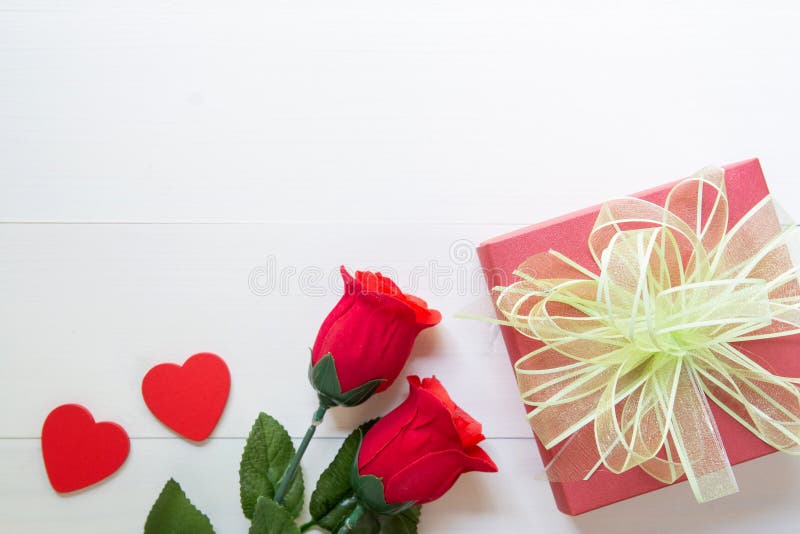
266	456
270	517
403	523
173	512
332	500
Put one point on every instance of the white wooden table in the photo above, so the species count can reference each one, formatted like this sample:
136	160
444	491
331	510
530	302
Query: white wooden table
186	176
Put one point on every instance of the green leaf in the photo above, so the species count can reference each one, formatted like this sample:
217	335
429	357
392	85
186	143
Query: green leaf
270	517
369	491
405	522
266	455
325	380
334	518
173	513
367	524
332	500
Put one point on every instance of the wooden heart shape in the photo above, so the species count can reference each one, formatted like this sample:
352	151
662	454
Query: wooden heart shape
190	398
77	451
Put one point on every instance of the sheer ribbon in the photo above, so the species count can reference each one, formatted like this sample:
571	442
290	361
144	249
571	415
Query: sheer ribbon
631	357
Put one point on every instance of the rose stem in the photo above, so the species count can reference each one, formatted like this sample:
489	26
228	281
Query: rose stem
352	520
287	477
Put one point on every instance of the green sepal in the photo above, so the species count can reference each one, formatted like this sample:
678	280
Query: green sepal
405	522
367	524
173	513
368	489
325	380
266	455
270	517
333	500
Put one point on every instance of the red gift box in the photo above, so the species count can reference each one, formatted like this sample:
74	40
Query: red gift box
568	234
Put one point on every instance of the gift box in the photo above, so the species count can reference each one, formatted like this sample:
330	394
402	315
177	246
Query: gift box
568	234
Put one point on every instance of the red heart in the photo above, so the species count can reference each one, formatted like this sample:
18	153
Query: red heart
189	399
79	452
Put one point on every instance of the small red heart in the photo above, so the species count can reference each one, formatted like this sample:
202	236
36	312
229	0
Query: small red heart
189	399
79	452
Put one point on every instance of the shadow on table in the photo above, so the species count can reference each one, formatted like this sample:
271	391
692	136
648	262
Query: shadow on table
767	487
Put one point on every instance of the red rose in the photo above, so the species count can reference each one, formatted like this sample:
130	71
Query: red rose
371	330
421	447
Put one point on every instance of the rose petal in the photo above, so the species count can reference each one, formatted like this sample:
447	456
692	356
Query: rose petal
468	428
420	424
383	285
369	334
431	476
377	283
424	315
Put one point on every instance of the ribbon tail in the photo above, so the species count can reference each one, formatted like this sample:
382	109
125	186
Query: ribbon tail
577	458
698	442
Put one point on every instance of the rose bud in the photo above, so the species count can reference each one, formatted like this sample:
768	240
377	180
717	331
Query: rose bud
420	448
369	335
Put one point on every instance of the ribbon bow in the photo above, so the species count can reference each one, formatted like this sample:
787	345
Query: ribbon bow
631	357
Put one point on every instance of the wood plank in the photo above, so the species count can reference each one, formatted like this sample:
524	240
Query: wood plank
358	133
453	111
516	499
88	309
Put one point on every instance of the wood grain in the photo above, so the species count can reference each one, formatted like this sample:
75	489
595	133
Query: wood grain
187	176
